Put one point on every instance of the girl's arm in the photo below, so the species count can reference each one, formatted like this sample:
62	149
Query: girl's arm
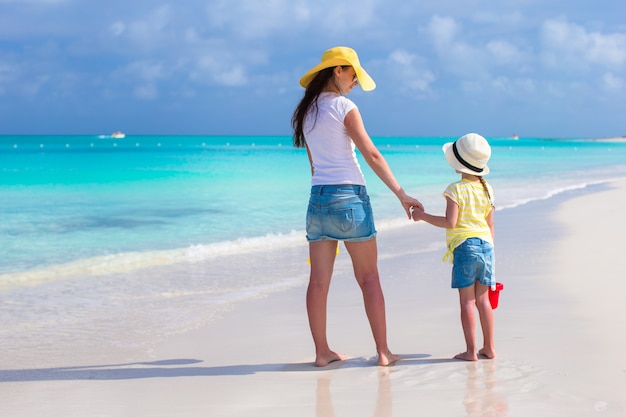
356	129
448	221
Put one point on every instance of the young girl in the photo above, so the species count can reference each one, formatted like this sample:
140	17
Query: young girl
470	236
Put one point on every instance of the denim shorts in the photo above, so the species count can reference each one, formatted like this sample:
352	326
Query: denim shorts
339	212
473	261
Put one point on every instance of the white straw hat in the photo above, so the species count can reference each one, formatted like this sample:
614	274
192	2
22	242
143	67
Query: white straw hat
469	154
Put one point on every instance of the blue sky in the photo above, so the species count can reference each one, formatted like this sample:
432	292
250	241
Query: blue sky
549	68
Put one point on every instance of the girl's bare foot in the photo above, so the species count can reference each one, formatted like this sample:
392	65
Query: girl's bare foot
323	360
487	353
466	356
387	358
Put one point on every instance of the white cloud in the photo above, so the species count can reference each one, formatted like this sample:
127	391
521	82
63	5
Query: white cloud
613	83
202	48
443	31
32	86
36	2
301	12
513	87
409	68
146	70
339	16
15	79
7	73
253	19
117	28
146	92
508	19
223	71
505	53
454	54
609	50
156	30
142	75
571	46
235	76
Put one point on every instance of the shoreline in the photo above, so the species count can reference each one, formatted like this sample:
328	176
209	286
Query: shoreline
126	262
609	139
560	352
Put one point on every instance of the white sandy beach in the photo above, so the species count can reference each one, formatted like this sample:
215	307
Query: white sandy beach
559	331
611	139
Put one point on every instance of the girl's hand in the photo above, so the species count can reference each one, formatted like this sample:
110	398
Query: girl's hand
417	213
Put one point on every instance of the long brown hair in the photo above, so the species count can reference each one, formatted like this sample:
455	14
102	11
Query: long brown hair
484	183
311	94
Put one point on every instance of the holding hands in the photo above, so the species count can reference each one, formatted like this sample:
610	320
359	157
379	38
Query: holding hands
417	213
409	203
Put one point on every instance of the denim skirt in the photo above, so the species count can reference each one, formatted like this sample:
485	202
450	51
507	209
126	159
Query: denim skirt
473	262
339	212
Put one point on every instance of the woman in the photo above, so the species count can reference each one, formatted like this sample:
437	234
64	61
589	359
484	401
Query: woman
329	125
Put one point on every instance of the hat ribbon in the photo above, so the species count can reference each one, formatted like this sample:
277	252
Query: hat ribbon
463	161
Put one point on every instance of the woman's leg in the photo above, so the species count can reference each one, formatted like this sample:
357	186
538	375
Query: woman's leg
487	321
322	255
365	263
467	300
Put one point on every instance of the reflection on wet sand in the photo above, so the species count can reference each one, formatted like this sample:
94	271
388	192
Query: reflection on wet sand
482	396
383	408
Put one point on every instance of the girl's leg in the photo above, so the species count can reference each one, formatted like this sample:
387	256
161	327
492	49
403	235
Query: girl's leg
365	263
467	299
322	255
487	322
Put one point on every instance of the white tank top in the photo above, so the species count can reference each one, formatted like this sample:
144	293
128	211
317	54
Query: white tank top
332	150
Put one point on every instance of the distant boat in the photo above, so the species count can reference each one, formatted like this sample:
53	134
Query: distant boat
118	135
515	137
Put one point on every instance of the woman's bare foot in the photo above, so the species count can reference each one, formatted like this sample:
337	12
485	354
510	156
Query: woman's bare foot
487	353
387	358
323	360
466	356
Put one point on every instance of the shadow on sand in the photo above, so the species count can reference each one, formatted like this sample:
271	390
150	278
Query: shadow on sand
176	368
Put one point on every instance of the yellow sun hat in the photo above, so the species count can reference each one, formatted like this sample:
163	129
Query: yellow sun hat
340	55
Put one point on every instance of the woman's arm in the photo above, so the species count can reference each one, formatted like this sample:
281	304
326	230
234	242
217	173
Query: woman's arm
376	161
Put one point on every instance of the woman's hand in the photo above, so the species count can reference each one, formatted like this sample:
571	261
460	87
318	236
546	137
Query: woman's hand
409	203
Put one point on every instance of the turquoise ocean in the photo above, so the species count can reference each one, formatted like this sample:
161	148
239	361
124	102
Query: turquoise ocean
66	200
86	217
